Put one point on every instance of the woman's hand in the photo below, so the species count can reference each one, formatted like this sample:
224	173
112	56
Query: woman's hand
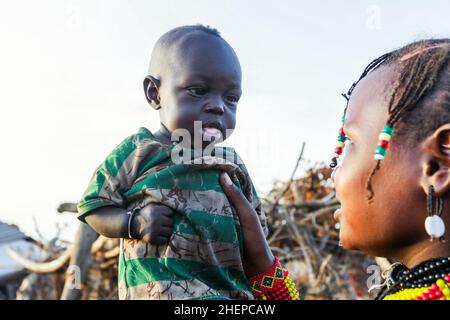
257	254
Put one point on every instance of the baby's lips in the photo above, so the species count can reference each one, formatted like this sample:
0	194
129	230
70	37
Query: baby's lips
212	132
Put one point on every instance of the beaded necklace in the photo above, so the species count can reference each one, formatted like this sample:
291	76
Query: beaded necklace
429	280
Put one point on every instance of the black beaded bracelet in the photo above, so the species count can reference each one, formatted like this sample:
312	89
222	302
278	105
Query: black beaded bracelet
132	213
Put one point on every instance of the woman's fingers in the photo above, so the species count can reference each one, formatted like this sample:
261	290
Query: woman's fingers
244	209
257	254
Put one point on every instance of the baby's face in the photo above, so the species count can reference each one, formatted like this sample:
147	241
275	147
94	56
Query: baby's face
204	84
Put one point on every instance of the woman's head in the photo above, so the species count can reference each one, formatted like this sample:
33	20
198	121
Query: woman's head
384	201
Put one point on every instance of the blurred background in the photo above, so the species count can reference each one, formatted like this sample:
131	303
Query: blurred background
71	84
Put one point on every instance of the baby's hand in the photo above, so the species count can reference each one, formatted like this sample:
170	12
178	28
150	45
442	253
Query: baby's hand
153	224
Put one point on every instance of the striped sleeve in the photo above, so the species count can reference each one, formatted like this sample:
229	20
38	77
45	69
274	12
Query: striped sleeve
116	174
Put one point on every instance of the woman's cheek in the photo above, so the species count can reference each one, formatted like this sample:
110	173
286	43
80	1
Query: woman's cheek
350	190
342	179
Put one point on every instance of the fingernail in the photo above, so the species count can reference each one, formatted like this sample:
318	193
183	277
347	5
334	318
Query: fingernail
226	179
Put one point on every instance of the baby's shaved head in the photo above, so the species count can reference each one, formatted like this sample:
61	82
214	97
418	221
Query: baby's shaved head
173	43
194	75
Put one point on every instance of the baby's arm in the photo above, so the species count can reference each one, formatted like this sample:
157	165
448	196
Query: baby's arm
152	223
110	221
103	204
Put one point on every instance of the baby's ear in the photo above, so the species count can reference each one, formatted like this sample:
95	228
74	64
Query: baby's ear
151	90
436	161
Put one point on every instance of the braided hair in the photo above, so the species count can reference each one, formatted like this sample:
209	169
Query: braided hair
423	74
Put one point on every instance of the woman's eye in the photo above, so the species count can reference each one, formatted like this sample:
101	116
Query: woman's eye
197	91
348	141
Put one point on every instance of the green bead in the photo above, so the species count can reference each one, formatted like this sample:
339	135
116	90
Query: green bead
381	151
343	119
341	138
389	130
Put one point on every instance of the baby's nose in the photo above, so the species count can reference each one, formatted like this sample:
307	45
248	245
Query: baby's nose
215	106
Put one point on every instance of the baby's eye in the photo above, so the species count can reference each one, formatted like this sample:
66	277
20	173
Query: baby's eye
232	98
197	91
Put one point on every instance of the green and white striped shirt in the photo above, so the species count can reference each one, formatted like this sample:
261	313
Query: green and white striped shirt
203	259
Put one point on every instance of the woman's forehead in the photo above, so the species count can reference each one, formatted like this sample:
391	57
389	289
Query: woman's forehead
368	104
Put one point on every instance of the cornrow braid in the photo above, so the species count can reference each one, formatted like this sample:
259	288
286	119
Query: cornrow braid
420	65
342	137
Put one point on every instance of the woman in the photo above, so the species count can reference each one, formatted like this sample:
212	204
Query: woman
392	205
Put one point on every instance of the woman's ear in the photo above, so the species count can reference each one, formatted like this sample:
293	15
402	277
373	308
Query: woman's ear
151	89
436	161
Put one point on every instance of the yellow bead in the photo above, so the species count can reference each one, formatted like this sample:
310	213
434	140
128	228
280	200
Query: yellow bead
440	283
264	297
384	136
446	292
340	144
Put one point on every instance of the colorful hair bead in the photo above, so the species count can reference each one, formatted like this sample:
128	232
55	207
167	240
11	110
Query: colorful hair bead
383	142
340	144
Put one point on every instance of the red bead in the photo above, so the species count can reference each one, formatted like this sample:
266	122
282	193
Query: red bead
438	293
434	286
431	296
338	150
341	132
425	296
447	278
419	298
383	144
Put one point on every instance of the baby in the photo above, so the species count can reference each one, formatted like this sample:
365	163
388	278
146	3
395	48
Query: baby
160	192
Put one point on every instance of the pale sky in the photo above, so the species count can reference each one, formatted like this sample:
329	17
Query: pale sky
71	82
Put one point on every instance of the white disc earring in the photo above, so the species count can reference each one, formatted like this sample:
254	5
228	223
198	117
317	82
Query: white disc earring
434	225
